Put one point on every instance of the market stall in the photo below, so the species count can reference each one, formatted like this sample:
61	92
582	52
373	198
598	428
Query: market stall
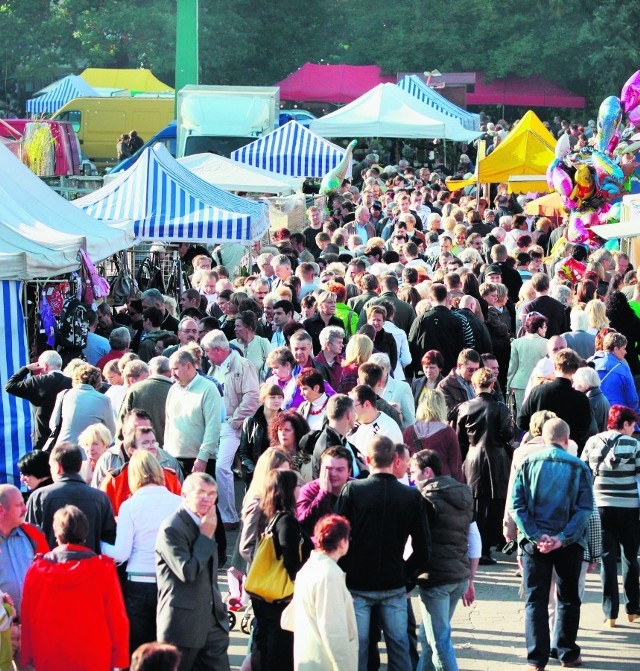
41	235
167	202
292	150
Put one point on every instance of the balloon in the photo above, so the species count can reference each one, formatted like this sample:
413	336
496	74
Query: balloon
609	175
612	245
563	147
577	230
609	117
561	181
613	213
550	170
630	95
332	181
579	225
634	116
613	143
584	185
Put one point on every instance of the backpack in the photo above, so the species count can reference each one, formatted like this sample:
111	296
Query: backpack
73	325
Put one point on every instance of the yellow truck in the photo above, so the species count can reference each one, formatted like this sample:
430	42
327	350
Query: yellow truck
99	122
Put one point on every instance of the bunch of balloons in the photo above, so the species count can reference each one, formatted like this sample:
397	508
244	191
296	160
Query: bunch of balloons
591	180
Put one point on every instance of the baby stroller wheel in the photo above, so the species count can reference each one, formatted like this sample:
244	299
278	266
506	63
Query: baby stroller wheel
246	623
232	619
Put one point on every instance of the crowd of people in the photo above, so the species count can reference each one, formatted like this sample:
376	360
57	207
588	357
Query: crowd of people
407	387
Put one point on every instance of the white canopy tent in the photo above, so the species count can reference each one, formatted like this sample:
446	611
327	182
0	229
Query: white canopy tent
40	236
41	232
388	111
230	175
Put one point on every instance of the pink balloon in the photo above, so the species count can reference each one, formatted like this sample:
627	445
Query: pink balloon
577	230
561	181
634	116
630	95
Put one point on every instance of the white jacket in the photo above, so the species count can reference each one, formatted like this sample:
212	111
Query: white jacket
322	618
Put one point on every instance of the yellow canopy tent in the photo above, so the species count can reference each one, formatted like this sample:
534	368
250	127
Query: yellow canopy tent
527	150
135	80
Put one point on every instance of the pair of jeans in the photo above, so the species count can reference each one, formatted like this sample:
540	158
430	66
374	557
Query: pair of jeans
537	577
393	615
620	526
437	605
228	446
141	601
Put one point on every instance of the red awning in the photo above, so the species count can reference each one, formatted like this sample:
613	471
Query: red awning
523	92
337	84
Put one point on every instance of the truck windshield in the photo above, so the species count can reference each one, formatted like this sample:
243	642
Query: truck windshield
74	116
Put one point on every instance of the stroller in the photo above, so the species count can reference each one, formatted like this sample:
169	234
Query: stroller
237	601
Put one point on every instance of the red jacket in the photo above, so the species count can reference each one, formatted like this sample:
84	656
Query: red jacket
73	614
37	538
116	485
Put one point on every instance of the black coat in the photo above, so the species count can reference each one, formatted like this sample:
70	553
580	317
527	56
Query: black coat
72	489
41	392
383	514
568	403
484	431
254	440
481	336
315	324
436	329
553	310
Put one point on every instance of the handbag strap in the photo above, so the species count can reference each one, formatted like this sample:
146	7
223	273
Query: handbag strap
609	373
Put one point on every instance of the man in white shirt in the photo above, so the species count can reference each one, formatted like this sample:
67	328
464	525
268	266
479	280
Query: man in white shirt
371	422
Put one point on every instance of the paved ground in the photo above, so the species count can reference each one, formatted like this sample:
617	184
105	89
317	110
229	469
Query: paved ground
489	636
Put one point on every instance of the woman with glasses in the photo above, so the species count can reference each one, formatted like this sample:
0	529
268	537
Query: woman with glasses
253	347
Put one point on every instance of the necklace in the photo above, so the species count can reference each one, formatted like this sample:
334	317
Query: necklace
320	410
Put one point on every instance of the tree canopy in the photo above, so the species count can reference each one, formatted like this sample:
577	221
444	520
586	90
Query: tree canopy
587	46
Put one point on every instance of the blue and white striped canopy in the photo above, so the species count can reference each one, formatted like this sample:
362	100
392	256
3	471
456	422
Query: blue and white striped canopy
416	87
291	150
15	417
168	202
62	92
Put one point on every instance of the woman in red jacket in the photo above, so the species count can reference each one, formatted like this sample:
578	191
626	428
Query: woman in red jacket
71	590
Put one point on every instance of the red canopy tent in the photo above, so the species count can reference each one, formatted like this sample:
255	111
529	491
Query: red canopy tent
522	92
337	84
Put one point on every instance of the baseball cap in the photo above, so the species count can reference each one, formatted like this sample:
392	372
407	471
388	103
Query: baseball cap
493	269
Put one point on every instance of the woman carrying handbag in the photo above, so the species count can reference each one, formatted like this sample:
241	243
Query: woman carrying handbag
282	551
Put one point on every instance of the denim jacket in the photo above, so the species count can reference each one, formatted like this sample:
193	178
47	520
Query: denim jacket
552	494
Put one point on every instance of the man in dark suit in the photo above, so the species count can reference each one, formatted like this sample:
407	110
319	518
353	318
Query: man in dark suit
40	389
560	397
437	329
553	310
191	613
70	488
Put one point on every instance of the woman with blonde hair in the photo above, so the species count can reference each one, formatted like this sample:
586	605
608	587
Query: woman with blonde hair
432	432
358	351
597	314
253	520
139	519
94	441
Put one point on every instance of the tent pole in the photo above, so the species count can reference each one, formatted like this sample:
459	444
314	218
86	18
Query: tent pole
444	144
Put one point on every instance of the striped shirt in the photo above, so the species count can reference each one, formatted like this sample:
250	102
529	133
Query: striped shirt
615	471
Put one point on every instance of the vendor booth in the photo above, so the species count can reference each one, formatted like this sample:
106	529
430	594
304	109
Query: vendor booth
438	104
292	150
230	175
41	235
60	94
168	202
527	150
